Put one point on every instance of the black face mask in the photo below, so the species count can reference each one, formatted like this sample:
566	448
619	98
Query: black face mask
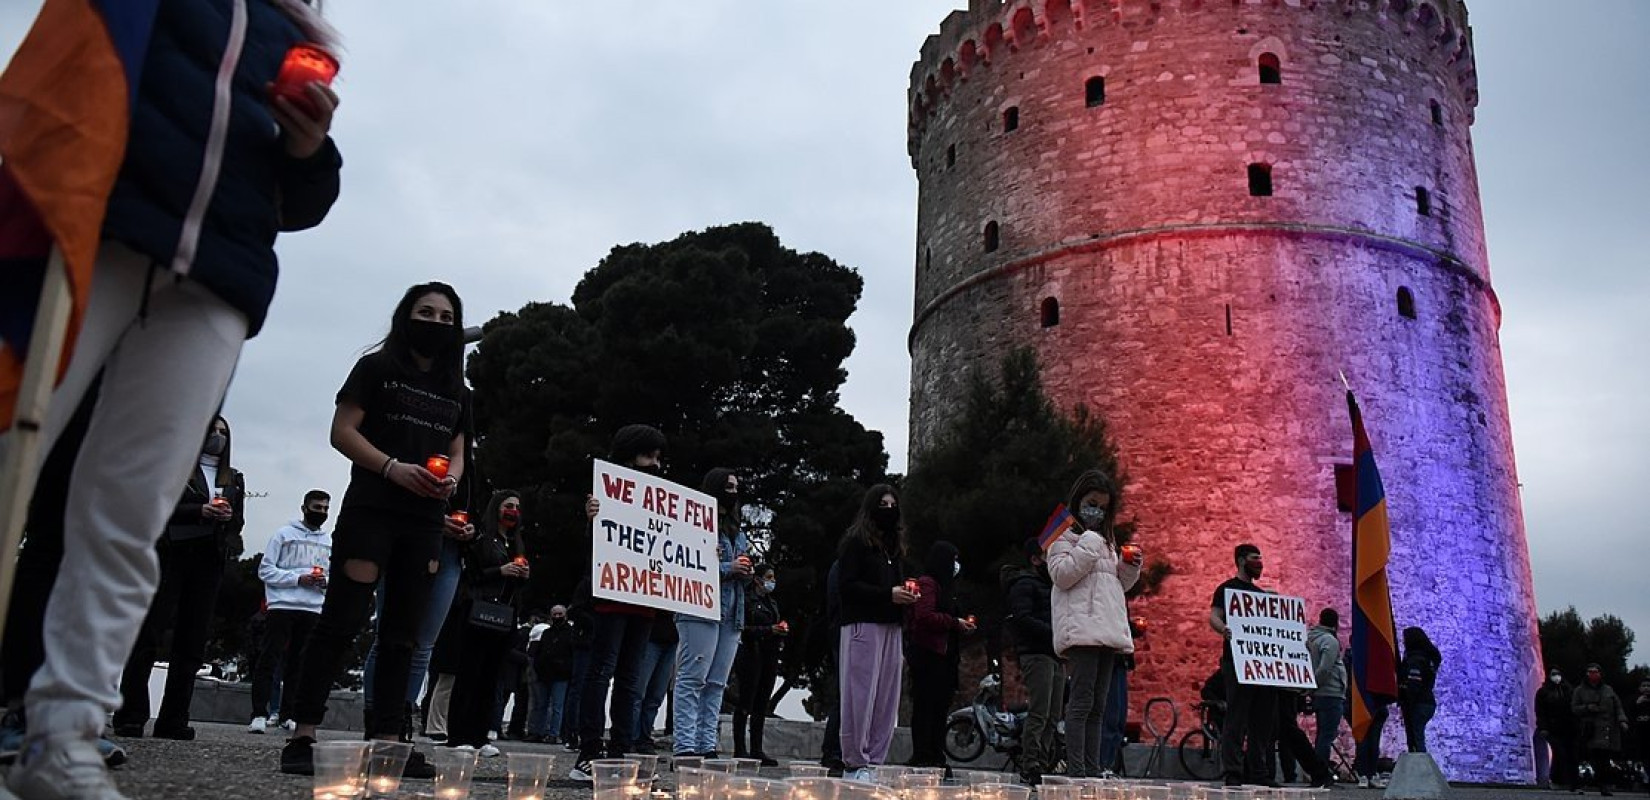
728	500
429	338
216	443
886	518
651	469
315	519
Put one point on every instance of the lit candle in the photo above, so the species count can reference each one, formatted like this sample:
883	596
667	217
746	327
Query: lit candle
304	64
385	785
460	517
520	561
451	794
1131	553
437	465
316	571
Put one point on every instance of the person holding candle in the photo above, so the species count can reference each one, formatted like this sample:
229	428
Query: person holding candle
211	171
402	402
1031	623
704	657
294	571
757	665
933	629
1090	615
492	574
871	582
205	528
619	631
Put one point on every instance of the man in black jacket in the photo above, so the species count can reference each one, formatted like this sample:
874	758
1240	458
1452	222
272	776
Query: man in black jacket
1030	618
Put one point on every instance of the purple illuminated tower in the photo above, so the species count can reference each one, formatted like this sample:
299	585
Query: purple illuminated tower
1198	212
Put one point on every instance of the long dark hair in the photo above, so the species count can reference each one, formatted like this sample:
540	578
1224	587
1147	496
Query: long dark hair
489	521
715	484
447	365
226	474
864	531
1095	480
1417	641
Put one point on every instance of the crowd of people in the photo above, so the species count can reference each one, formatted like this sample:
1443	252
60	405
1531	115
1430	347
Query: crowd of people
1588	724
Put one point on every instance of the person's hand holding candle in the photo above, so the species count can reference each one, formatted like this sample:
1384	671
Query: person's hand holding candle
302	100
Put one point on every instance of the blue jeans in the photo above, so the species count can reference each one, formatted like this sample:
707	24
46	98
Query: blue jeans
704	659
441	601
615	651
570	706
658	661
544	719
1116	719
1329	710
1416	717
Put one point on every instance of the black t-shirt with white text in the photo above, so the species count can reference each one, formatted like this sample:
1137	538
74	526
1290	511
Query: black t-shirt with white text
410	415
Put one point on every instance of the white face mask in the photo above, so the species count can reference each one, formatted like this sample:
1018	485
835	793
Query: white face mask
956	568
1556	678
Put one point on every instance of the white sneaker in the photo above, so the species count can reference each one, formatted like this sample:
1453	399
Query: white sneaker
259	725
861	775
488	751
1363	782
61	767
290	725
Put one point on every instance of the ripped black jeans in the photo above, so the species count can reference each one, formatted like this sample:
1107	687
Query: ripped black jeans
406	549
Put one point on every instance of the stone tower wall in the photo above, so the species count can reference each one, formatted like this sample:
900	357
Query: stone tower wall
1208	325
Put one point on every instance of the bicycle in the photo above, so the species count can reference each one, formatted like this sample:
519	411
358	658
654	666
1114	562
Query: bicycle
1200	747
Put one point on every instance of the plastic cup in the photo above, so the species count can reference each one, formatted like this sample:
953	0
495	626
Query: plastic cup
747	787
633	789
647	766
386	761
723	765
679	763
912	781
1059	791
936	791
613	773
976	777
808	769
1001	791
747	766
528	774
889	775
339	770
813	787
454	769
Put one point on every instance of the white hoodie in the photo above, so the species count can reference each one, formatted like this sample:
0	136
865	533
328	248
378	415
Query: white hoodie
293	552
1087	600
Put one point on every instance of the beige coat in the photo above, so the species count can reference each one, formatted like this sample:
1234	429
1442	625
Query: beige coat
1089	582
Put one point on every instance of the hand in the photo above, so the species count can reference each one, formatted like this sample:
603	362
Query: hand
213	512
742	567
313	581
779	630
302	132
1139	557
966	626
449	485
418	480
514	570
591	506
903	597
456	531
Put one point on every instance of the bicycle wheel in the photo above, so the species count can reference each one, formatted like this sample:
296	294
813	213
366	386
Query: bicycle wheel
1199	756
964	741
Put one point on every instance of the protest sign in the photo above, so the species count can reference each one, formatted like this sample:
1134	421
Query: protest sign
1269	639
653	543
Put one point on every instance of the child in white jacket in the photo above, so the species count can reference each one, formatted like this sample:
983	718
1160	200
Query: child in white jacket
1091	625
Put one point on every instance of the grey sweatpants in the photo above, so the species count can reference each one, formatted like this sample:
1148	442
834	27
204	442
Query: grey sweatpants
165	370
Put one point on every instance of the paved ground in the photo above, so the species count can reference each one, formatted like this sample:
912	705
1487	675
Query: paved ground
228	763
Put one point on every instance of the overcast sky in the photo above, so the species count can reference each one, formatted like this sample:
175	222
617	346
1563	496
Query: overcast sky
506	145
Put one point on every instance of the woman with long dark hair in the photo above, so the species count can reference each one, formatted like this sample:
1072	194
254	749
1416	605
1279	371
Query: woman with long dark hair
1091	617
402	419
871	584
205	526
934	629
492	574
1418	672
756	668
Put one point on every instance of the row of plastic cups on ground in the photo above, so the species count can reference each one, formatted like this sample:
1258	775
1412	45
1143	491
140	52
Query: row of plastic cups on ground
350	770
1061	788
702	784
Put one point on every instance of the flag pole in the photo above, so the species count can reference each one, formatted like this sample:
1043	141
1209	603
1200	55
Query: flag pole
22	456
1342	373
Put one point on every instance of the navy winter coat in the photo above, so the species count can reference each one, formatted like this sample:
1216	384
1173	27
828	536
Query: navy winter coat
219	231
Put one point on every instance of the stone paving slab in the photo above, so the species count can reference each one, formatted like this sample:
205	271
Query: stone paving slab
226	763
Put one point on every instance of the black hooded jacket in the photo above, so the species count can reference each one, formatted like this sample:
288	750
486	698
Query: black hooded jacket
1030	609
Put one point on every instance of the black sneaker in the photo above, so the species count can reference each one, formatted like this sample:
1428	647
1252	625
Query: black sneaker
182	733
767	762
581	770
298	756
418	767
129	731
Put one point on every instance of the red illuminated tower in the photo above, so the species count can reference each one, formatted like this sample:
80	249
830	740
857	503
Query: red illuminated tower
1198	212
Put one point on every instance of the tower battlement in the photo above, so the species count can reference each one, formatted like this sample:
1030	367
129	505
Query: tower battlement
973	39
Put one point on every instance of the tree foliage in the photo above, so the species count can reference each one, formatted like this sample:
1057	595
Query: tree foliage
997	471
1569	644
725	340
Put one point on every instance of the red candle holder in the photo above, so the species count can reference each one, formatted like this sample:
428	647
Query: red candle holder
437	465
317	572
783	626
304	64
1131	553
912	587
460	517
971	620
520	561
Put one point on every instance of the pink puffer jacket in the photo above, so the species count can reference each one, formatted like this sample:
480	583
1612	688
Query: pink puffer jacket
1089	582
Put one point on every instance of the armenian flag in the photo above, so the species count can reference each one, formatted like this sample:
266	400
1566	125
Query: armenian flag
1059	522
65	104
1374	651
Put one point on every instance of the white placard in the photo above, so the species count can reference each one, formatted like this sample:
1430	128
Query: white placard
653	543
1269	639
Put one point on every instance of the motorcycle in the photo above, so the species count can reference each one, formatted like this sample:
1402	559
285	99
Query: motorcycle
969	730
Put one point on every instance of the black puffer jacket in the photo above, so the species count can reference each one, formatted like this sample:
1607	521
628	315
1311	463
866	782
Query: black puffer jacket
1030	609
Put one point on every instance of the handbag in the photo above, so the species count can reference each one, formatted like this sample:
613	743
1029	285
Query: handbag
491	616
